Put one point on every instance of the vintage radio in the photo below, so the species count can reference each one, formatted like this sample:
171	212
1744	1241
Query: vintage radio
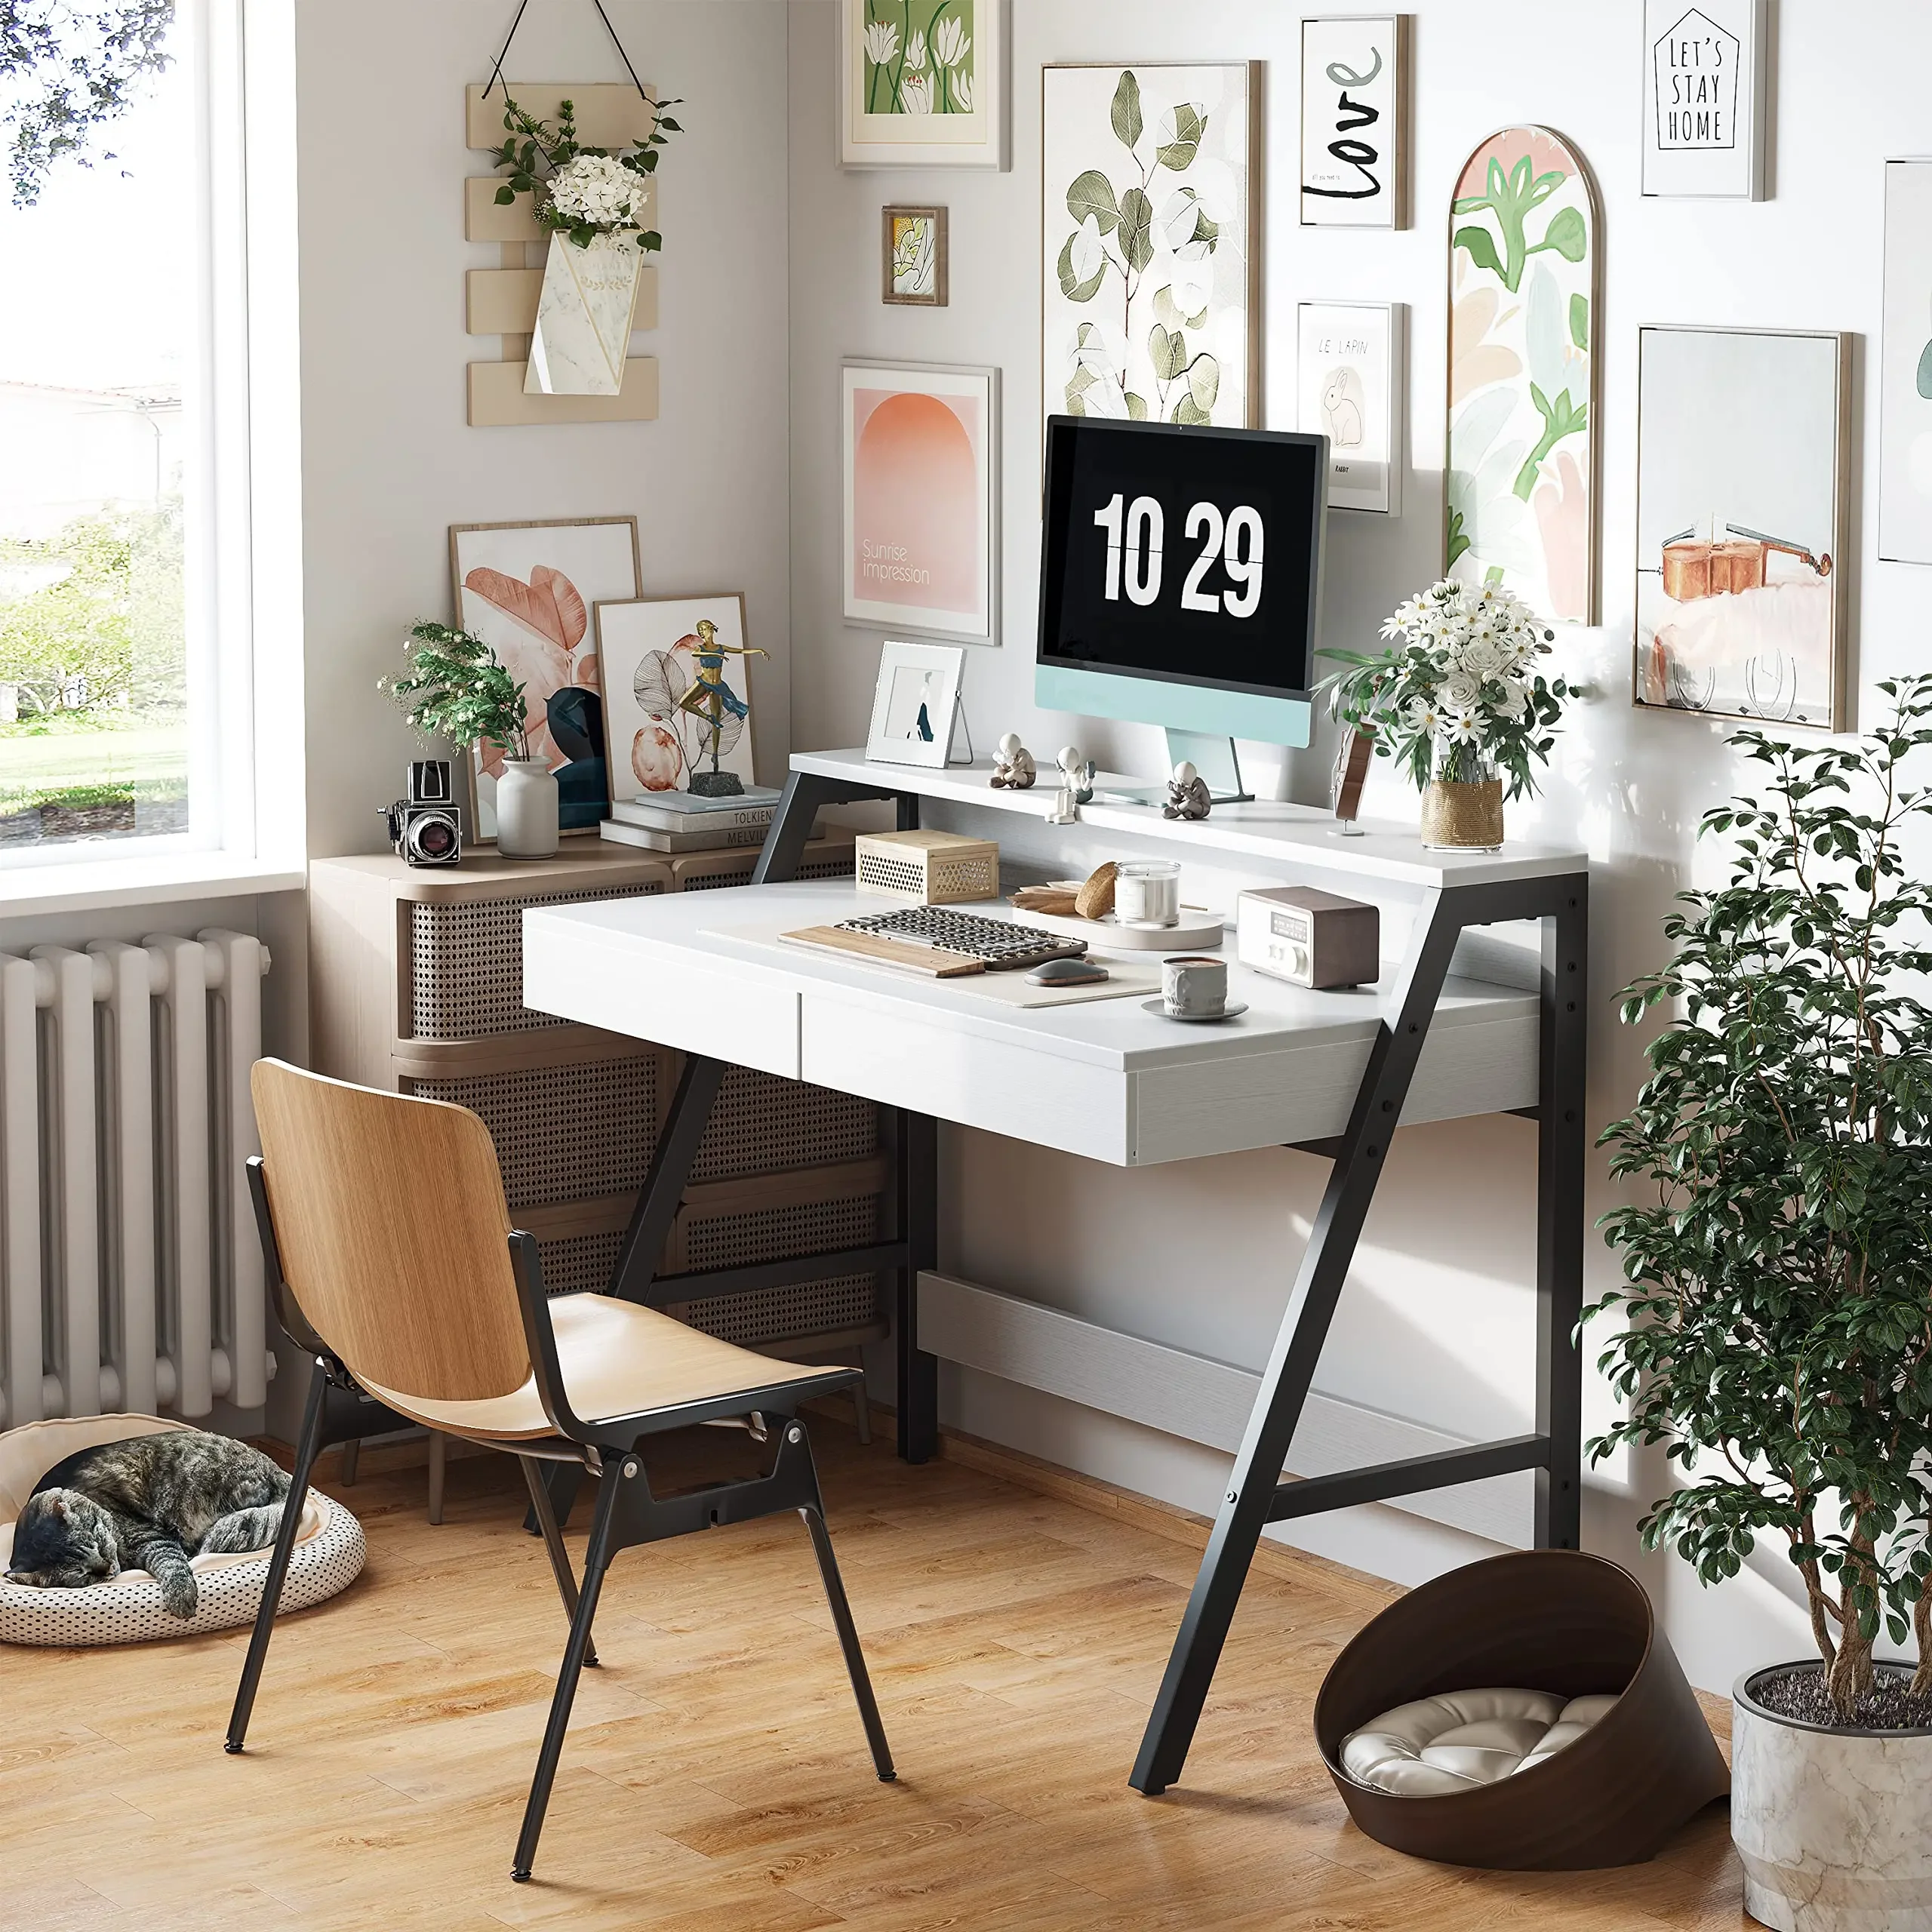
1308	936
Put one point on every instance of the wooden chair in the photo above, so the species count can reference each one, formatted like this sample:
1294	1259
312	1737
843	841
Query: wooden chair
386	1231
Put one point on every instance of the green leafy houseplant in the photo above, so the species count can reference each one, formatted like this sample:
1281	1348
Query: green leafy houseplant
581	193
1778	1289
455	688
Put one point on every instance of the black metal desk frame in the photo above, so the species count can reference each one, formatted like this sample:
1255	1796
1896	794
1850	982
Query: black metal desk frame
1255	1495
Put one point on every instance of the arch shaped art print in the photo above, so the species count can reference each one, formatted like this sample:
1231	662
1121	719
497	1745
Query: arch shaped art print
1521	457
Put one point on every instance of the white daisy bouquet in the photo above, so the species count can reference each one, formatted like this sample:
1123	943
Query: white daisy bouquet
1456	698
581	193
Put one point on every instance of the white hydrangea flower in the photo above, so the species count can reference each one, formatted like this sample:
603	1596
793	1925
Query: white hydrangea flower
596	189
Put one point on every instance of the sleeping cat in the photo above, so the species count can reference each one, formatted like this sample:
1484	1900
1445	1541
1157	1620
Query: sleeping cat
150	1503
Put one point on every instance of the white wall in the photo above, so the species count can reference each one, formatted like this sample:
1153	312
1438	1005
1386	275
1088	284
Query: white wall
1437	1324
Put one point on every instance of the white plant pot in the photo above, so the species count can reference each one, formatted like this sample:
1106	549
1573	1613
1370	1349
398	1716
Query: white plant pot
1834	1827
583	317
526	809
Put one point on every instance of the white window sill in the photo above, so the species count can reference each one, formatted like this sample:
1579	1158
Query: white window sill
89	885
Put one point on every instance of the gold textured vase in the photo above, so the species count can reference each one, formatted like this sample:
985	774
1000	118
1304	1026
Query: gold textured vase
1463	817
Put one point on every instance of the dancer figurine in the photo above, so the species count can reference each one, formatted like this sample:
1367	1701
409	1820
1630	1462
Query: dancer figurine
1188	796
1013	768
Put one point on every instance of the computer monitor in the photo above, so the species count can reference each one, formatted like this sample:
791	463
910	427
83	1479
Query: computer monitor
1180	576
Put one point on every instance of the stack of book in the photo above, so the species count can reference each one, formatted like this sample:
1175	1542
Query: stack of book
682	822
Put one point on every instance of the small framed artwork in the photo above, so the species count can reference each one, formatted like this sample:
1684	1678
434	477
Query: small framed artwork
920	458
1741	467
915	703
677	679
1354	131
527	590
922	83
1350	389
1704	74
914	266
1905	386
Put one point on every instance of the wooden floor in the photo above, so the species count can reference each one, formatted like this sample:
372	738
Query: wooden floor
716	1776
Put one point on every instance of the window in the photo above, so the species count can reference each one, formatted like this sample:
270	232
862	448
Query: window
124	545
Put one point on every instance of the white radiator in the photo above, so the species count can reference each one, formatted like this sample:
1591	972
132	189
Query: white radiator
130	1276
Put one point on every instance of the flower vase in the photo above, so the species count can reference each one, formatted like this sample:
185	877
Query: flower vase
583	317
1462	805
526	809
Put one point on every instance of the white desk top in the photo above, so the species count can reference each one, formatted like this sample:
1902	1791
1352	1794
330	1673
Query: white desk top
1089	1077
1297	835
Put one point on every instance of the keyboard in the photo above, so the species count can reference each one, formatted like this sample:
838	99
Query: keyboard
1000	946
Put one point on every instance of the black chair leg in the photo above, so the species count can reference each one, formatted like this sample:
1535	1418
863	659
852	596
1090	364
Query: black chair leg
848	1635
553	1541
596	1560
306	1445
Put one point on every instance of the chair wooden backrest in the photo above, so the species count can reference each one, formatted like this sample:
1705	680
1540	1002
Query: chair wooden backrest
389	1214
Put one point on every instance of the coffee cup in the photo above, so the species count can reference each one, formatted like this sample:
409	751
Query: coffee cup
1194	988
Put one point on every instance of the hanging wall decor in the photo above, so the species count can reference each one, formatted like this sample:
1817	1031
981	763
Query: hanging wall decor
1354	95
1524	274
913	267
1904	386
922	83
1151	295
1349	388
1705	74
1741	467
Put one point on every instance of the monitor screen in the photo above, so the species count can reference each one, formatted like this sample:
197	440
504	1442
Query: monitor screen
1187	555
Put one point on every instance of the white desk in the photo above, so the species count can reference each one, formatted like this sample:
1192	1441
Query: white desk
1331	1072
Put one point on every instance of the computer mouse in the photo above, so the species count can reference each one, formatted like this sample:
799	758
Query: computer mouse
1065	973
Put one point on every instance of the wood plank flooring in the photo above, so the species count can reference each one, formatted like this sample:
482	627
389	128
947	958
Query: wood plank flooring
716	1776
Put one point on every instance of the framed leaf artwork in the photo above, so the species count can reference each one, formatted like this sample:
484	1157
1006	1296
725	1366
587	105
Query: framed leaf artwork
527	590
1525	282
1151	292
676	675
922	83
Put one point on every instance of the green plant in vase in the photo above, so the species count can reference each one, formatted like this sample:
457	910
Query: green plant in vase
456	688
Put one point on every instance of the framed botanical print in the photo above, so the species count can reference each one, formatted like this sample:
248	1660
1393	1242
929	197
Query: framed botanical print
922	83
920	447
527	590
913	268
677	678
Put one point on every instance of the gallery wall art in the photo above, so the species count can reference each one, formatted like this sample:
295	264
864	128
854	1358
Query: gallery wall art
527	590
922	83
1525	280
1349	389
1705	74
920	465
1740	523
676	677
1151	294
914	268
1905	386
1355	100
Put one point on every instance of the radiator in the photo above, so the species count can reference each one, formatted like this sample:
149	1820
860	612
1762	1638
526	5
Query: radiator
130	1276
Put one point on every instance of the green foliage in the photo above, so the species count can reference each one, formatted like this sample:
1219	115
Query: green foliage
535	151
68	68
1777	1293
1511	199
455	688
1560	418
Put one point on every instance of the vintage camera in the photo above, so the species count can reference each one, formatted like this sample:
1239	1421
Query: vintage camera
426	827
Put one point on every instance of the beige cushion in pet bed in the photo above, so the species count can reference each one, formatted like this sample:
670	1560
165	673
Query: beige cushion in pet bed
328	1556
1448	1743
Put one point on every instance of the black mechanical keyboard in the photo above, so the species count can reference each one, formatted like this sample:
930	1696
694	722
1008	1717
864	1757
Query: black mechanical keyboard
999	944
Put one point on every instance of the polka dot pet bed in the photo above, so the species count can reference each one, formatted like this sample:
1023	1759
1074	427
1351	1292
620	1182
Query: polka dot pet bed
328	1556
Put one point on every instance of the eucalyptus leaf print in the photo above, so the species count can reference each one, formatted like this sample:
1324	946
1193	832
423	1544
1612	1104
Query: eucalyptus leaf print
1146	181
1520	508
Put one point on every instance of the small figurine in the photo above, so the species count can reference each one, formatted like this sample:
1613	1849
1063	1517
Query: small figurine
1188	796
1013	768
1076	774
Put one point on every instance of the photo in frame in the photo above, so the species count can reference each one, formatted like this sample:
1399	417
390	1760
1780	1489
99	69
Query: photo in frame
922	83
1151	289
915	703
919	448
1349	389
914	267
677	682
1905	382
527	590
1741	469
1705	77
1355	109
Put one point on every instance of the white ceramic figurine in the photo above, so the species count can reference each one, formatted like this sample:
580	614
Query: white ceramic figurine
1013	768
1188	796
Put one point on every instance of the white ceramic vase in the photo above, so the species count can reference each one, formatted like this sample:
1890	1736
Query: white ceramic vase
526	809
583	317
1834	1827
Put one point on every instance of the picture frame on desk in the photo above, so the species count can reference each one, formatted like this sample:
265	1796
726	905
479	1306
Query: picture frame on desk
916	703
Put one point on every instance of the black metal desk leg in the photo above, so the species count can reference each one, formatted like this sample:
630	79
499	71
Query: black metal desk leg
916	1174
1560	1148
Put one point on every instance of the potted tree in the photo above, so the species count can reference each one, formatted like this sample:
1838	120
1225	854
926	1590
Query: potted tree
1776	1308
456	688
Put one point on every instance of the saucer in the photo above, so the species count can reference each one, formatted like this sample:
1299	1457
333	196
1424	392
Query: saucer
1228	1012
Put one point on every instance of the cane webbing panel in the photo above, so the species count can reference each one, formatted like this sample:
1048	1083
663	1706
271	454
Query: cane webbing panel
764	1234
762	1124
466	964
740	873
849	1302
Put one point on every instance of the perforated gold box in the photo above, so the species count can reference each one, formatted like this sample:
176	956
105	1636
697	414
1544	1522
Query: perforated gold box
926	868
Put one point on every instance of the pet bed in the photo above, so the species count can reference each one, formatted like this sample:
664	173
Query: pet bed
328	1556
